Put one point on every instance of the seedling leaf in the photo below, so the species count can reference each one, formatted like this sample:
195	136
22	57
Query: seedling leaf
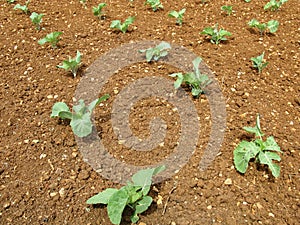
273	26
243	153
81	125
116	205
102	197
266	158
59	107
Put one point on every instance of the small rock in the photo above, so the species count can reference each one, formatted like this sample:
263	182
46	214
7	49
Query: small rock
228	181
271	214
83	175
62	192
53	194
159	201
209	207
142	223
6	205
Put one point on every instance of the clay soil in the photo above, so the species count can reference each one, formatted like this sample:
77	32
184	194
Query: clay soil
44	179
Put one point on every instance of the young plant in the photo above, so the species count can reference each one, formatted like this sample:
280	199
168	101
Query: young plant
194	79
177	15
274	5
134	195
36	19
71	64
80	117
97	11
116	24
24	8
258	62
264	152
216	35
272	26
227	9
157	52
247	0
10	1
51	38
155	4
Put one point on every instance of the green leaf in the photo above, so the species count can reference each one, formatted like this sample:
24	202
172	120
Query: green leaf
134	193
270	144
253	23
51	38
103	197
208	31
273	26
266	158
65	115
96	102
149	54
196	63
196	91
141	206
116	205
243	153
59	107
81	125
181	12
158	170
173	14
80	108
143	178
179	80
115	24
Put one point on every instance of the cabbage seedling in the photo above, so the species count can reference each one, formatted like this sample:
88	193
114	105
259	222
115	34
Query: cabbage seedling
274	5
272	26
116	24
157	52
258	62
52	38
97	11
10	1
177	15
264	152
134	195
216	35
80	117
24	8
194	79
227	9
155	4
36	19
71	64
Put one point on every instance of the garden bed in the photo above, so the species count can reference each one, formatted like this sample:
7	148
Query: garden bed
44	179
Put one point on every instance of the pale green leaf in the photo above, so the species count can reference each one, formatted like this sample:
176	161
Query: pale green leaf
81	125
59	107
266	158
243	153
103	197
116	206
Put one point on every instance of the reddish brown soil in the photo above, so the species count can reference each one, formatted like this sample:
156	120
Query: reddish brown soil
43	177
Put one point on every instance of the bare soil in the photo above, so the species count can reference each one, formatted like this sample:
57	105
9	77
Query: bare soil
44	179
